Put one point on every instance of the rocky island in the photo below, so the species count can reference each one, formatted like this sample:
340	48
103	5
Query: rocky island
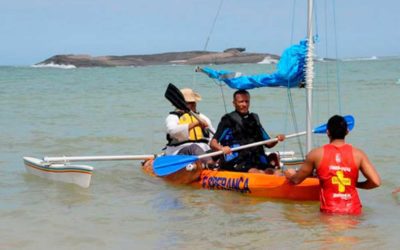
233	55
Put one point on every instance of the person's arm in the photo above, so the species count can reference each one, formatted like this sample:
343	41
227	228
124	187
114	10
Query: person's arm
296	177
266	136
196	123
177	131
397	190
368	170
208	122
280	137
214	145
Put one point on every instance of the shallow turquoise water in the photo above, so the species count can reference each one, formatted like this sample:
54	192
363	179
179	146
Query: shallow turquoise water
107	111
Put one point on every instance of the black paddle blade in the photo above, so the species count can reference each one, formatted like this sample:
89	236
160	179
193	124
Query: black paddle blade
174	95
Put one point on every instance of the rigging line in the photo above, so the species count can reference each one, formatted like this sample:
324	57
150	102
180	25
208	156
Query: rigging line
285	125
293	18
222	93
315	40
194	81
326	54
213	25
315	19
289	92
337	61
206	45
294	121
223	98
317	108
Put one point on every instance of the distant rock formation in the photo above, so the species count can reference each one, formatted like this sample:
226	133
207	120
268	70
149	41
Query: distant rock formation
233	55
235	49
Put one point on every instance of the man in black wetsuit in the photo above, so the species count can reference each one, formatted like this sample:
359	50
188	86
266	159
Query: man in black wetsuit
241	127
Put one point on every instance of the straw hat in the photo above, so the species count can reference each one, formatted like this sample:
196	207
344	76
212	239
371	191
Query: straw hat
190	95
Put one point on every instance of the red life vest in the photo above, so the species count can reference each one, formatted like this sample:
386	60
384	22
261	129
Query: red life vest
338	175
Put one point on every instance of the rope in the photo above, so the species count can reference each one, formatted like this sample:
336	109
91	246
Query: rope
317	108
293	18
337	62
206	45
221	85
290	103
223	98
326	64
294	120
213	25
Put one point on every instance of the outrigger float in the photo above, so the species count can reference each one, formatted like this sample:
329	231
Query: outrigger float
76	174
61	169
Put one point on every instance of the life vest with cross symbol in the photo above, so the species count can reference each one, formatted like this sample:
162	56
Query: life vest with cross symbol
338	175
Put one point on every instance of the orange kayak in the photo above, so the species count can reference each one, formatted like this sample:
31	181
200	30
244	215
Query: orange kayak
253	184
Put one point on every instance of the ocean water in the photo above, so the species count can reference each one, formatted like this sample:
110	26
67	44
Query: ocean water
113	111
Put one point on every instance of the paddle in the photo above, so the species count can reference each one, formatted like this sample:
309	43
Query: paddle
165	165
322	128
97	158
175	96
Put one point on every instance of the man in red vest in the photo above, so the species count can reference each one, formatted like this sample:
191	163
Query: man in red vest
337	166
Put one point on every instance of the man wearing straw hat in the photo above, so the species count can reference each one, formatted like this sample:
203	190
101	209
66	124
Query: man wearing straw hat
188	133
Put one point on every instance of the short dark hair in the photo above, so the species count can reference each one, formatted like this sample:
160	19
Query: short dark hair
240	92
337	127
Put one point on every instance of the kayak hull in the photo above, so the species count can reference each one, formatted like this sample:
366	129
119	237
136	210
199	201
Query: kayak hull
183	176
252	184
260	185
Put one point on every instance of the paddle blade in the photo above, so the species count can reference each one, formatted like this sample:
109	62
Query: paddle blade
350	122
169	164
175	96
322	128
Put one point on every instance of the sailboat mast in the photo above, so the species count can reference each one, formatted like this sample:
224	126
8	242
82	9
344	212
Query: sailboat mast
309	75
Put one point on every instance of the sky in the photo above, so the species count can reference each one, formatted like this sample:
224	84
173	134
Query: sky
34	30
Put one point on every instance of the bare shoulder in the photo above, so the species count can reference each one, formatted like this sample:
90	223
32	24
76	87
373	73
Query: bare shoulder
316	153
367	169
357	150
359	154
313	158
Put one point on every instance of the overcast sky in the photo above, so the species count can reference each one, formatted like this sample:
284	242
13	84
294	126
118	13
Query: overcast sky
33	30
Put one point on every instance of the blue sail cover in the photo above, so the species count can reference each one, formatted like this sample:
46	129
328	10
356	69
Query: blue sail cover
289	73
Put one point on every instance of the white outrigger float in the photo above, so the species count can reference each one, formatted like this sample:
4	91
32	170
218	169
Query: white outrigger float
64	172
61	169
